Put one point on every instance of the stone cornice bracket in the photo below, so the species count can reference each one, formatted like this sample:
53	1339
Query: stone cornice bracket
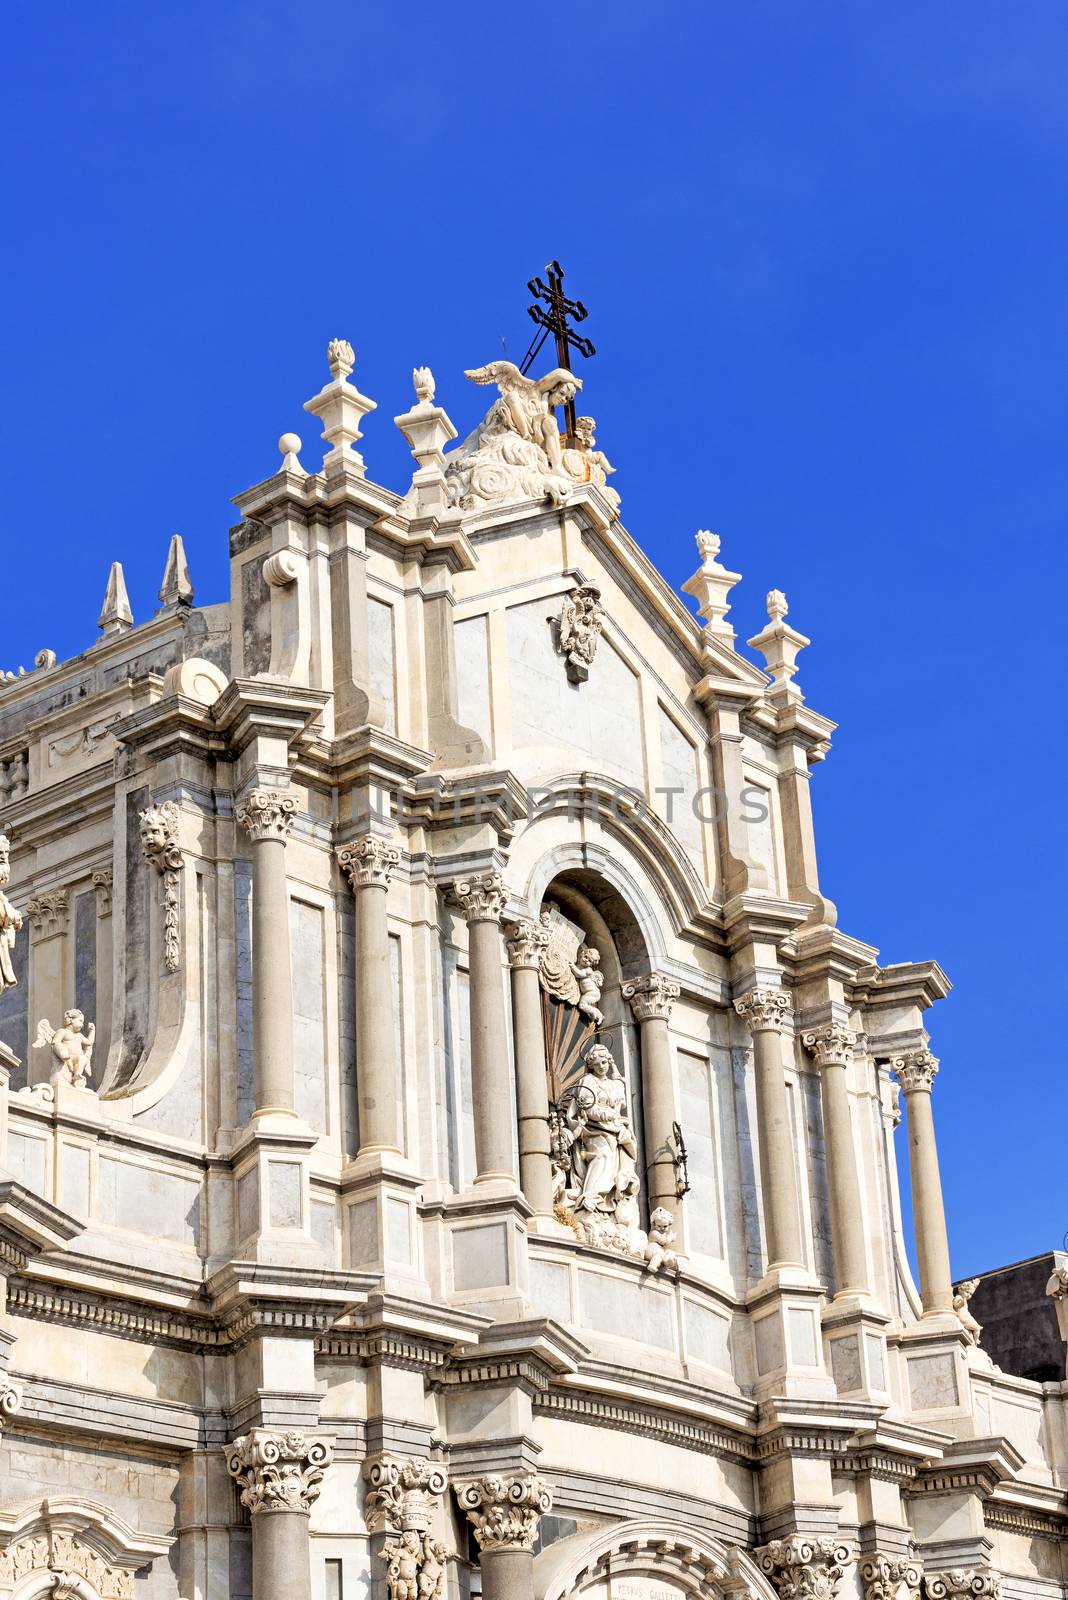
803	1568
401	1491
482	896
890	1578
10	1398
526	941
764	1011
369	863
103	880
48	912
915	1071
504	1511
159	841
279	1471
963	1583
266	814
832	1046
651	997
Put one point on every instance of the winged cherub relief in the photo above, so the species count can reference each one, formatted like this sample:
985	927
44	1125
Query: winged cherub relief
515	453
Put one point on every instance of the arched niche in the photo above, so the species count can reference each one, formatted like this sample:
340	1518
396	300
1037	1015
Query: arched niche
646	1559
71	1549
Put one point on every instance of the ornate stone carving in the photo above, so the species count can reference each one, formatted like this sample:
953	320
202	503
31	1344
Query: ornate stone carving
890	1578
590	982
103	882
1057	1287
369	863
526	942
515	453
424	385
651	997
66	1559
340	358
832	1046
578	628
961	1295
415	1566
915	1071
585	463
975	1583
482	896
400	1493
505	1511
72	1049
765	1010
658	1251
159	841
48	912
10	920
10	1398
559	958
278	1471
803	1568
266	814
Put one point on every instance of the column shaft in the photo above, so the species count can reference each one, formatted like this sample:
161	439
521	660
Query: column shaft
928	1207
489	1055
272	979
531	1089
376	1064
767	1014
847	1218
659	1110
281	1557
507	1574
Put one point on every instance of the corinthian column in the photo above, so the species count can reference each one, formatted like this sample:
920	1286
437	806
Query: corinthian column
279	1475
267	817
651	1000
916	1074
832	1047
526	941
369	865
505	1512
767	1014
482	899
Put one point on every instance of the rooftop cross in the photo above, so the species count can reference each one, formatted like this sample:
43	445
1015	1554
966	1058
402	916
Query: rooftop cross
552	318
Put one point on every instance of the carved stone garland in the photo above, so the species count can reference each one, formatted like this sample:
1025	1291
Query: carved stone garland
505	1512
803	1568
278	1471
399	1501
159	841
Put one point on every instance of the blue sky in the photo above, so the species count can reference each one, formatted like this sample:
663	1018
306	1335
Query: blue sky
824	251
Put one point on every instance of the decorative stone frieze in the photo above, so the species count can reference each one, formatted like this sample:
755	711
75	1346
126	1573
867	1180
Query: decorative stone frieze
278	1471
832	1046
401	1493
765	1010
803	1568
526	940
266	814
48	912
66	1560
369	863
890	1578
505	1511
651	997
578	629
963	1583
915	1071
103	883
159	842
482	896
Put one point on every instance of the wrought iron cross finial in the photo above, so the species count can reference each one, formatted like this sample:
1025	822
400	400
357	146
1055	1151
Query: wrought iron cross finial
552	318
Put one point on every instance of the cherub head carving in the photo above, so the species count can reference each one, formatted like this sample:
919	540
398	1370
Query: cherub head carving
587	957
159	828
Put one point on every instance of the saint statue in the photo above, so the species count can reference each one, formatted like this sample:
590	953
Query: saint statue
10	920
603	1149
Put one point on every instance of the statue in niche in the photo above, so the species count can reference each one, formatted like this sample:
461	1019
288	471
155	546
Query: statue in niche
72	1048
590	982
602	1153
10	920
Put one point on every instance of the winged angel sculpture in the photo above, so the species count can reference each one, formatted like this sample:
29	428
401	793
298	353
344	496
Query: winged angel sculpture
516	452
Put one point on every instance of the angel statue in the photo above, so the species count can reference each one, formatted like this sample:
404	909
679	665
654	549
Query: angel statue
590	981
10	920
515	453
526	402
72	1048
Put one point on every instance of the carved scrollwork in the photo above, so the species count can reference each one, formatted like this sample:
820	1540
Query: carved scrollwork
651	997
963	1583
803	1568
159	842
915	1071
278	1471
482	896
369	863
505	1511
890	1578
400	1493
266	814
526	942
832	1046
765	1010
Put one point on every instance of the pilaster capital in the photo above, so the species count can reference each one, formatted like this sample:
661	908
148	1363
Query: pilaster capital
368	863
890	1577
103	881
915	1071
266	814
400	1493
279	1471
963	1583
526	940
651	997
482	896
832	1046
766	1011
10	1398
48	912
804	1568
505	1510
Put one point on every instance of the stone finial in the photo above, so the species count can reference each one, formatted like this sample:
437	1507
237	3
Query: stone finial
115	614
369	863
710	586
805	1568
482	896
780	645
266	814
765	1010
776	604
428	430
423	383
176	588
340	358
832	1046
651	997
505	1511
915	1071
890	1578
289	445
278	1471
340	407
963	1583
708	544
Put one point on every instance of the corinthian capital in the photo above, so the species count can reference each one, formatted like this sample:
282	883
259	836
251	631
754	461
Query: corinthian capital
400	1493
802	1568
651	997
526	942
48	912
890	1578
482	896
278	1471
915	1071
963	1583
266	814
832	1046
369	863
765	1010
10	1398
505	1511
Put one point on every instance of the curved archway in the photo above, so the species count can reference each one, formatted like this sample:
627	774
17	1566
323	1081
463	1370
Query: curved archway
646	1559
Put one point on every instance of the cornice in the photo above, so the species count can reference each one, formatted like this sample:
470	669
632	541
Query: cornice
252	707
980	1465
918	983
587	1406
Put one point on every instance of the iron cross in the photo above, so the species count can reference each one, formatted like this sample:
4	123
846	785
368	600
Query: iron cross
552	318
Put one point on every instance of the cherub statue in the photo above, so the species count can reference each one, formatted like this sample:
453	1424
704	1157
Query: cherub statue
432	1570
71	1047
961	1295
658	1252
402	1557
586	464
590	981
525	403
10	920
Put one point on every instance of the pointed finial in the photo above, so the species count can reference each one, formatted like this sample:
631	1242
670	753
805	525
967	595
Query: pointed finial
115	616
341	407
776	604
341	358
289	444
176	588
423	380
